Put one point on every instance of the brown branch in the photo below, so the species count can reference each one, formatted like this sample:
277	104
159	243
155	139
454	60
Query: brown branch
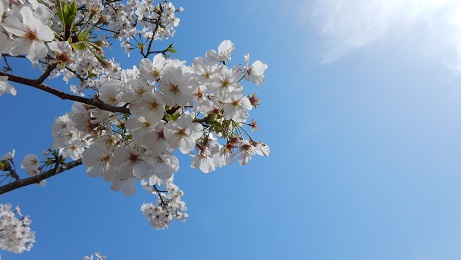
157	25
65	96
46	74
40	177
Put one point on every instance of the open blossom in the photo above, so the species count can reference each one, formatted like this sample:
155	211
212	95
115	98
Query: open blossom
177	85
205	159
110	92
225	82
5	86
8	156
248	148
183	133
204	68
164	165
255	72
131	162
152	70
151	107
62	51
31	33
140	129
97	160
225	50
237	108
31	164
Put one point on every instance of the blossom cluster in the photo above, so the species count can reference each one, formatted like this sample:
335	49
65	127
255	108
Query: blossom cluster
15	233
172	106
152	111
169	205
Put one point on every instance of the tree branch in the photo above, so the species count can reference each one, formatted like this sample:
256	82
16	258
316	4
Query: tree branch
40	177
47	73
65	96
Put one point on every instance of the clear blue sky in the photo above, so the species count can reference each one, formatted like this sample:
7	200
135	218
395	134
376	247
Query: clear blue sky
362	111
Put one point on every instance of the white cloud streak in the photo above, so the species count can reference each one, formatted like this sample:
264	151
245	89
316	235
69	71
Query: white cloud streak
427	27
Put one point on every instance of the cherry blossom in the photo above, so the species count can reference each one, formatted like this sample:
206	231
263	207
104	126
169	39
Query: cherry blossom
225	50
6	87
30	32
255	72
183	133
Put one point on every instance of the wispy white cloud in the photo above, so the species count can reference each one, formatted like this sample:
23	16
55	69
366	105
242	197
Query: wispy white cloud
429	27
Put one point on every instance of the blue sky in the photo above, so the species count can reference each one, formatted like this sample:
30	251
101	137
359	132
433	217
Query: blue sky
361	108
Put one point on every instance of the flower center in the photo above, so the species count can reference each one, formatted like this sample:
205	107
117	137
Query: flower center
182	132
174	88
30	35
153	105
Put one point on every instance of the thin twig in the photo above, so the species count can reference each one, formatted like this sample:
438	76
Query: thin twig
65	96
40	177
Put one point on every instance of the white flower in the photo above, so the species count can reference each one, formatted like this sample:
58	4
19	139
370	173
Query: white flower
246	151
151	107
140	130
30	32
152	70
204	68
255	72
5	41
131	163
224	157
237	108
110	92
204	162
5	86
134	87
183	133
155	140
177	85
97	160
62	51
164	165
225	50
205	158
262	149
31	163
74	148
8	156
224	82
209	106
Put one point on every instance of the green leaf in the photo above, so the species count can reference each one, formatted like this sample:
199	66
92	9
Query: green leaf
59	11
175	116
67	13
171	49
79	46
82	36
